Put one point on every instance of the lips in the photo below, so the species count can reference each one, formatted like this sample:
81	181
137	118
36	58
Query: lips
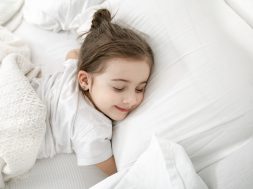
122	109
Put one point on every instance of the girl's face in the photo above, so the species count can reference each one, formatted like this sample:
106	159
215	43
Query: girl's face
119	89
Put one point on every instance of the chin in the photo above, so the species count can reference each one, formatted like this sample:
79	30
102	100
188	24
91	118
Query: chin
118	118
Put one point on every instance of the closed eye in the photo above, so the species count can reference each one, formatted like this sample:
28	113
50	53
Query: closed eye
118	89
140	90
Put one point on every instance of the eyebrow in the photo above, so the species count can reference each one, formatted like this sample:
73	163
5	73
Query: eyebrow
127	81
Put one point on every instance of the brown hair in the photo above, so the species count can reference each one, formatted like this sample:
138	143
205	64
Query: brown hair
106	40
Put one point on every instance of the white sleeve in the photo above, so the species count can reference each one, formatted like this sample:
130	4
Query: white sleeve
92	146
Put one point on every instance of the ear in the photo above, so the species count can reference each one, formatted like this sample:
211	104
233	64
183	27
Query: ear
84	79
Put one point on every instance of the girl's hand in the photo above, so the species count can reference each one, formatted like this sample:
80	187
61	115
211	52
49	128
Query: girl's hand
73	54
108	166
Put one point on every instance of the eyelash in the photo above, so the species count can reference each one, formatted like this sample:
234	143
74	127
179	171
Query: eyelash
122	89
118	89
140	90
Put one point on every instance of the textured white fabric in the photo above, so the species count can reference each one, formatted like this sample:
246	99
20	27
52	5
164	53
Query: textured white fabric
73	124
12	44
8	8
56	15
200	94
48	48
22	115
243	8
232	172
15	21
163	164
60	172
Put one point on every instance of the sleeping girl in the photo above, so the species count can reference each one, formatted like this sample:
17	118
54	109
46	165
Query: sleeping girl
103	81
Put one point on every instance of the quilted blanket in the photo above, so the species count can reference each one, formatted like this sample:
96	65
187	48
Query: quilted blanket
22	114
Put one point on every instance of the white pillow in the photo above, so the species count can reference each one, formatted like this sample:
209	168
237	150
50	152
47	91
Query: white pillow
55	15
243	8
8	8
200	94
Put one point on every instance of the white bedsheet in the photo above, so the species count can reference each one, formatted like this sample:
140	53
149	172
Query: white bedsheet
48	49
232	172
163	164
56	15
243	9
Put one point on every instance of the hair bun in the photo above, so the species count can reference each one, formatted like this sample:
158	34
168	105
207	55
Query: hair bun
100	16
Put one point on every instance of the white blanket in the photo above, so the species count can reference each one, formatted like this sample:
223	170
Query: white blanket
22	114
57	15
10	14
243	9
164	164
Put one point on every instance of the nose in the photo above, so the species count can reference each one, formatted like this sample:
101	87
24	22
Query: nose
131	99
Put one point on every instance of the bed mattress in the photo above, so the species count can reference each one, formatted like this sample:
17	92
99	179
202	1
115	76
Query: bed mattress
58	172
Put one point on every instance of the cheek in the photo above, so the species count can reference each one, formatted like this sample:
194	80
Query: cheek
110	96
101	95
140	99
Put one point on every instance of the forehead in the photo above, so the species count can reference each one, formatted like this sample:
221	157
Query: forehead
129	69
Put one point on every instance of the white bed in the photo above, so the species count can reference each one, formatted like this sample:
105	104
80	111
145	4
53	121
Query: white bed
227	164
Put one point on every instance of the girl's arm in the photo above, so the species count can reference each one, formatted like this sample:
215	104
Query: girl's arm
108	166
73	54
